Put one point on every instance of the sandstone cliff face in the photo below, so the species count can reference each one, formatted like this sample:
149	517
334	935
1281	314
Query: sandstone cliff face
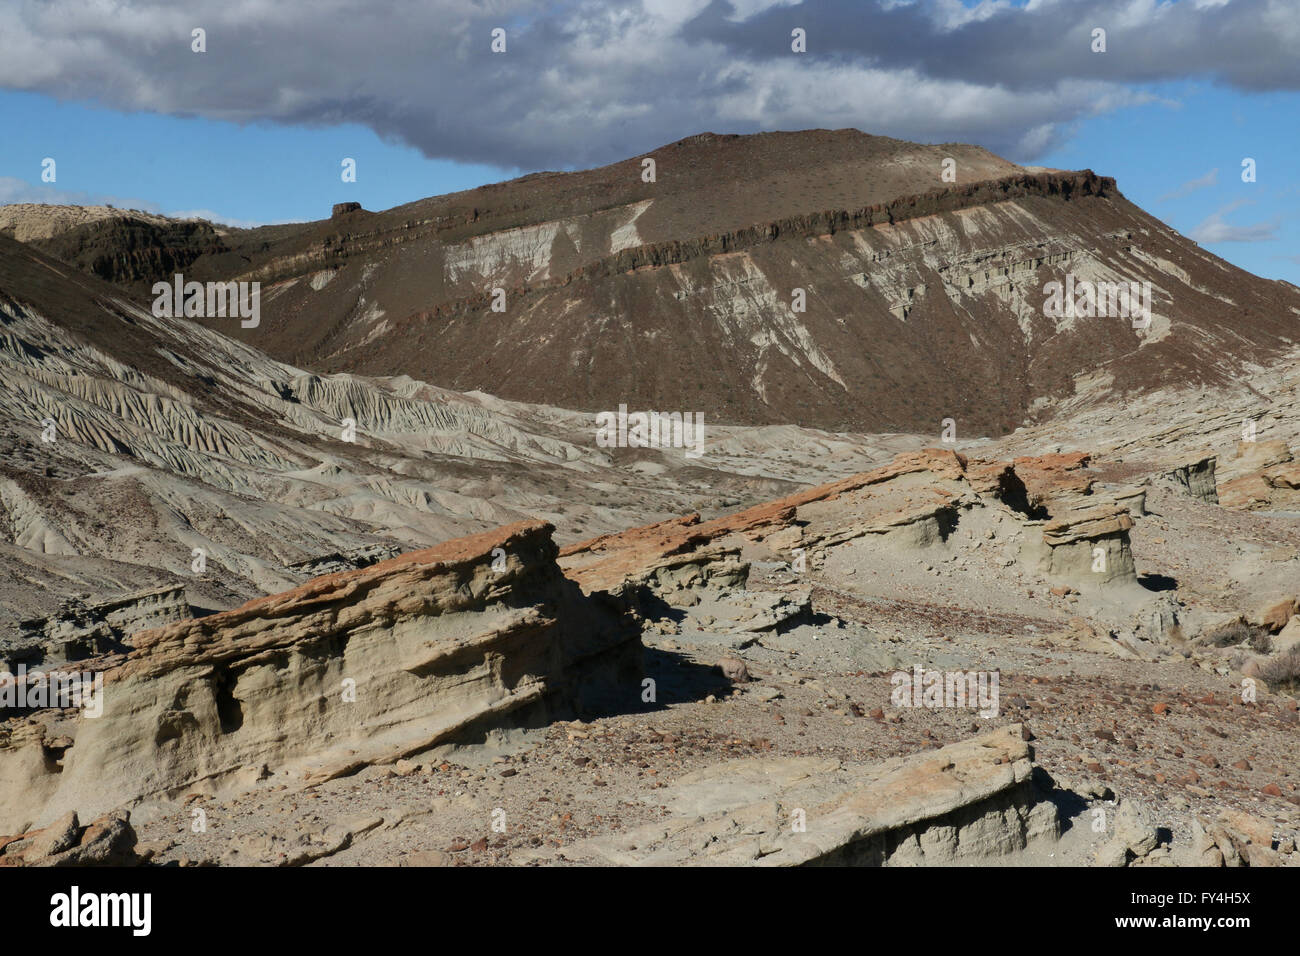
913	502
354	668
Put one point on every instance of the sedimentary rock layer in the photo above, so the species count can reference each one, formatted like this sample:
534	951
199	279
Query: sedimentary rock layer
350	669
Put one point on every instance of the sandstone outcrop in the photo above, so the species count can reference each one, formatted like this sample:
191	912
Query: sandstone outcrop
967	802
1262	474
1088	548
366	666
910	490
914	501
1196	478
1273	616
84	629
1051	477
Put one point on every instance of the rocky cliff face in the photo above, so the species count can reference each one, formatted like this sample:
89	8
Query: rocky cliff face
134	252
352	669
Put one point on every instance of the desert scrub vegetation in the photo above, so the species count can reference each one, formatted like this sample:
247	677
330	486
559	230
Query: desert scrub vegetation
1238	632
1283	672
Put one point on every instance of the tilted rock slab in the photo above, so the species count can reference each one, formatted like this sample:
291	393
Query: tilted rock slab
965	802
899	494
350	669
912	502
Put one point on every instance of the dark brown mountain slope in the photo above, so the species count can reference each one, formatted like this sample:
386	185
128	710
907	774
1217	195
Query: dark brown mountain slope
924	300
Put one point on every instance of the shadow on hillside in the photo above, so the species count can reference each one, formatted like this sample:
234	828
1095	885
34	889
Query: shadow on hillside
680	680
1158	582
1069	805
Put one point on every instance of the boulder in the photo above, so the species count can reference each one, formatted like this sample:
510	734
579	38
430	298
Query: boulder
1274	615
1262	474
109	840
1288	638
734	670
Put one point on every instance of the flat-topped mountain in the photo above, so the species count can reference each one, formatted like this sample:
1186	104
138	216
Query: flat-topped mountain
830	279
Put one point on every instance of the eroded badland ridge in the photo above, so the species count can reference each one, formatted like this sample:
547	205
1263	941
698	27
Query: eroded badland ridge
359	585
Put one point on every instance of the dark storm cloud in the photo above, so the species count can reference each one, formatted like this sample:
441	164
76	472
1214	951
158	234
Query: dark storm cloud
589	82
1249	44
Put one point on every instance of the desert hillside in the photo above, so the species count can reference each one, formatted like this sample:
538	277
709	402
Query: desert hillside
362	584
833	279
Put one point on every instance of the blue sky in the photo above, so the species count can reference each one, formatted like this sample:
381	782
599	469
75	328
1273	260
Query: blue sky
1165	155
243	174
254	129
